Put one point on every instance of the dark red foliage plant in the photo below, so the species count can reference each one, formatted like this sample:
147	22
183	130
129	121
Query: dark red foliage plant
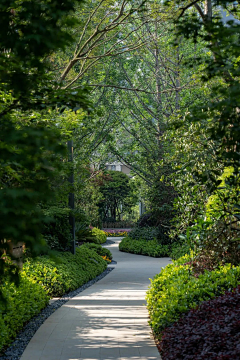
209	332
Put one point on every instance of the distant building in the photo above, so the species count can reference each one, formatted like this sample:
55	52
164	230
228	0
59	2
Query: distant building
118	166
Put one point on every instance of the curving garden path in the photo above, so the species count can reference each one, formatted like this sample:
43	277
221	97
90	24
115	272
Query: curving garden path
106	321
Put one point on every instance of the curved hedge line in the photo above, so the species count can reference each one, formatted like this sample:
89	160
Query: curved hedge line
41	278
143	247
66	272
174	291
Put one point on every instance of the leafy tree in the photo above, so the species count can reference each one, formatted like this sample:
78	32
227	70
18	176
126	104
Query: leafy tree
30	32
211	130
118	196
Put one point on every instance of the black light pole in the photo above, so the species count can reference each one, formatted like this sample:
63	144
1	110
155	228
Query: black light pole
71	196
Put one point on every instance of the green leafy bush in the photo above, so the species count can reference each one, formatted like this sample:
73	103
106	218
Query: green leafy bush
99	250
146	233
176	290
66	272
100	236
22	303
56	230
93	235
143	247
150	233
178	250
43	277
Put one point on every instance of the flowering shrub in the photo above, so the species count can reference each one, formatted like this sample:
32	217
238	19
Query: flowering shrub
212	331
108	261
116	232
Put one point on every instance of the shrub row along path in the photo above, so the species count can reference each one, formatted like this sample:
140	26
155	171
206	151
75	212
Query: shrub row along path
106	321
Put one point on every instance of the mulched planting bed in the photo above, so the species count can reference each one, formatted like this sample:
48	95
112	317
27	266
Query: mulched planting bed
209	332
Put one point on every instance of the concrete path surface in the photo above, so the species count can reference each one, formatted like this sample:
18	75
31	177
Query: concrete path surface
106	321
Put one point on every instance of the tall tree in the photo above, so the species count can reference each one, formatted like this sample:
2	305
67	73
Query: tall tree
30	32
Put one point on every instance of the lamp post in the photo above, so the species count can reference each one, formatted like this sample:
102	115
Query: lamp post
71	196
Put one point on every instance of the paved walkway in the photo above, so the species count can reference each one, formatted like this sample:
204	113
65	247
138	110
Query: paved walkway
106	321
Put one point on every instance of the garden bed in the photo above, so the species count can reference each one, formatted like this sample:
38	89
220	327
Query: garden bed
211	331
143	247
42	278
116	232
191	313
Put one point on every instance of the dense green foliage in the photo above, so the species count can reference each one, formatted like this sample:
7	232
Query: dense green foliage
91	235
118	196
142	247
23	302
30	148
99	250
204	138
99	235
43	277
176	290
65	273
146	233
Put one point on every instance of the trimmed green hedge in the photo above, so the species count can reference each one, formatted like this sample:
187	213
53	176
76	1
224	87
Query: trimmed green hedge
143	247
23	303
66	272
175	290
41	278
100	236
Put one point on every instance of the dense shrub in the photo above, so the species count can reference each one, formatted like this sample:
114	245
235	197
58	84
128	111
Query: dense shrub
179	250
212	331
43	277
57	231
66	272
99	250
151	233
100	236
93	235
176	290
143	247
143	233
22	303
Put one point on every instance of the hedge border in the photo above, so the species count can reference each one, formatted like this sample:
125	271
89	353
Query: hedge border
16	349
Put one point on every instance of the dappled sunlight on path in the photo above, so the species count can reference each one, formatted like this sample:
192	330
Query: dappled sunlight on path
106	321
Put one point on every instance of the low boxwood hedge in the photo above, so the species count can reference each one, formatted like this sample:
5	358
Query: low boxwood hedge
176	290
143	247
41	278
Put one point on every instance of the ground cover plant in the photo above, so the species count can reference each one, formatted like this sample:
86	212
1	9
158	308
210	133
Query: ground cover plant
22	303
99	250
143	247
45	277
211	331
177	289
66	272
